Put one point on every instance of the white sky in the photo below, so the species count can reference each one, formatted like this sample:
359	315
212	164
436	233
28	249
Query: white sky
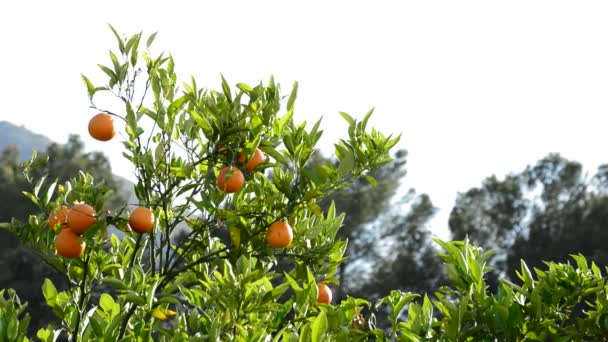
475	87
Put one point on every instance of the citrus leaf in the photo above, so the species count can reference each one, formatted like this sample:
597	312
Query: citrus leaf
151	39
319	327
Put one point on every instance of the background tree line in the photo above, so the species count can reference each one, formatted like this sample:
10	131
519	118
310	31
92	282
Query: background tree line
547	211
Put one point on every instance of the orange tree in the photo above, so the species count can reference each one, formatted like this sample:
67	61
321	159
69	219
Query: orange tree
206	162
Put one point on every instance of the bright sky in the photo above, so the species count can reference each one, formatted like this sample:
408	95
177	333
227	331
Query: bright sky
475	87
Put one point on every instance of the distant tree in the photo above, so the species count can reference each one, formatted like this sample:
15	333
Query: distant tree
389	244
547	212
404	257
491	216
571	216
12	182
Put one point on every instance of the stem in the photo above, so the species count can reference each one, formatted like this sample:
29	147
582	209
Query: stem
81	300
170	275
137	244
123	325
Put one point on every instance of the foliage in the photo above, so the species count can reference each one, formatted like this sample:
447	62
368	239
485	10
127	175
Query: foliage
559	303
200	287
22	267
14	320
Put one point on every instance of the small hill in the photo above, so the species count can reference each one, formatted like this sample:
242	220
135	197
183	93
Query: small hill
25	140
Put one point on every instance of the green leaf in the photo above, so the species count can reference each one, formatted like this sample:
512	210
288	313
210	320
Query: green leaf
177	104
109	72
244	87
135	298
90	87
106	302
315	208
44	335
134	53
581	262
371	180
276	155
347	163
49	193
167	299
348	118
596	270
283	121
427	309
151	39
366	118
292	96
49	291
527	275
12	329
38	185
121	44
202	122
114	281
31	197
115	63
319	327
314	193
404	299
226	89
235	236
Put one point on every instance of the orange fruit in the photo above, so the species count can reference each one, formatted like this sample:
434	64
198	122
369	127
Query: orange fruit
141	220
81	217
256	159
324	296
279	234
230	179
69	244
101	127
58	217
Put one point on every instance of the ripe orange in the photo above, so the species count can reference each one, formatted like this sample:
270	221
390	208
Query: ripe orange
101	127
81	217
68	244
58	217
141	220
230	179
324	296
279	235
256	159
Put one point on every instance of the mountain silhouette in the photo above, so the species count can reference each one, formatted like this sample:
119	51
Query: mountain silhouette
24	139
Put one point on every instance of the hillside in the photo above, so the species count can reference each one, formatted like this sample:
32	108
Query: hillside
25	140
